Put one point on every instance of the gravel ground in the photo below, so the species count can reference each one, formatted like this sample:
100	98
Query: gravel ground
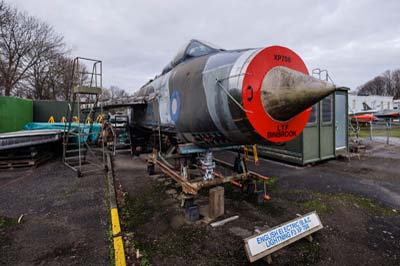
368	176
378	147
357	200
65	218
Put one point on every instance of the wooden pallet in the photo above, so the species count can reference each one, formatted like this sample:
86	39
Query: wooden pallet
24	161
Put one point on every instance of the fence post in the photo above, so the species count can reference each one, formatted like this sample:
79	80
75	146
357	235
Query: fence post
370	130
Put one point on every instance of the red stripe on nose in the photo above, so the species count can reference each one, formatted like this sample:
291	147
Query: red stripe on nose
266	126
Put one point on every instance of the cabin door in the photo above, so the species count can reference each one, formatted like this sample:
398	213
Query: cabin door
340	123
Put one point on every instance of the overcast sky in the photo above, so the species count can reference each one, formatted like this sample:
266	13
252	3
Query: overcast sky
354	40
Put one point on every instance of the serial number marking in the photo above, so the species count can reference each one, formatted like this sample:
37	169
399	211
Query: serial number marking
283	58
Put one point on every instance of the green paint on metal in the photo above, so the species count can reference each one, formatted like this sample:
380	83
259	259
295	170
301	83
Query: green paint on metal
43	109
87	90
14	113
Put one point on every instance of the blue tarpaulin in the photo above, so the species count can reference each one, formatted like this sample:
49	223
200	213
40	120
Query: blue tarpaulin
84	128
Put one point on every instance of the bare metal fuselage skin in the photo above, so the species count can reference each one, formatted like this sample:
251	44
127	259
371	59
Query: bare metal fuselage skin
236	97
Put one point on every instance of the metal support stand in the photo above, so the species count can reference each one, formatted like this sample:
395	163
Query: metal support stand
208	166
200	177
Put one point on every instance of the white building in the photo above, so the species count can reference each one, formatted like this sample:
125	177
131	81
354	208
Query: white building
375	102
396	104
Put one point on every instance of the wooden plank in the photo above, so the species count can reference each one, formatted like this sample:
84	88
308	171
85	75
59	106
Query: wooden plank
216	205
20	162
186	186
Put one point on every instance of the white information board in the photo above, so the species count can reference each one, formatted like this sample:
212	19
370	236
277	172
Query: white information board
260	245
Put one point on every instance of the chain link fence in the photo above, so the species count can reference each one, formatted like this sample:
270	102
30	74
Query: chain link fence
377	130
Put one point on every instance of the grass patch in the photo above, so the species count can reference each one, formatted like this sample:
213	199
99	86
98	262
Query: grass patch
6	223
111	252
270	207
365	132
323	203
144	261
317	205
140	209
308	253
68	193
370	205
179	243
271	183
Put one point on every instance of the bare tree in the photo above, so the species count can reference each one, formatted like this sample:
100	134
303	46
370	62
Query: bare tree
396	83
114	93
61	78
4	14
375	86
389	88
386	84
4	10
24	42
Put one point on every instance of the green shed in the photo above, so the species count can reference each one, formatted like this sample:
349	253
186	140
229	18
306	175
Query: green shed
324	137
14	113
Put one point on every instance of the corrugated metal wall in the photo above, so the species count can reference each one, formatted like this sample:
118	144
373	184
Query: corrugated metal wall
14	113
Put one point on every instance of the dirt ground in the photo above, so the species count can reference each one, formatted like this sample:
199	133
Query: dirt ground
358	201
65	218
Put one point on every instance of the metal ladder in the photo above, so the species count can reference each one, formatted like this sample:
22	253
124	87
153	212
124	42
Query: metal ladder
79	140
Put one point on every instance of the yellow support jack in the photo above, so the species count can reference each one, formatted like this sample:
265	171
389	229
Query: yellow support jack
246	153
255	155
51	120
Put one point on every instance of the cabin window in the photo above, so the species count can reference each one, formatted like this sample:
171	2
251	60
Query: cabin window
313	116
327	110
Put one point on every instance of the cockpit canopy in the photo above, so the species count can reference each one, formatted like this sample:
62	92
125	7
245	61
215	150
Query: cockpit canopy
194	48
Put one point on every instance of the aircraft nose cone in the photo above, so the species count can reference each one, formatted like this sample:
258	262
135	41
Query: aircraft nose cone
286	92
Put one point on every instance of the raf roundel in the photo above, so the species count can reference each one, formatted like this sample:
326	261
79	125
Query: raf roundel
175	105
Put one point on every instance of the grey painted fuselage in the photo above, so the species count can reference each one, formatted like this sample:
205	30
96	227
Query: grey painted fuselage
192	100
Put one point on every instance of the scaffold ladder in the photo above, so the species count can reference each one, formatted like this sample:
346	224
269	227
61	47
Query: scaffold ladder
80	137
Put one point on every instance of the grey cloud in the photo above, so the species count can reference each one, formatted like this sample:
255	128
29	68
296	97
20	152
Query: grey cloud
355	40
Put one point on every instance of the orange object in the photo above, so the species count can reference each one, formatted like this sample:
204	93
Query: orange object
236	183
266	178
363	118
